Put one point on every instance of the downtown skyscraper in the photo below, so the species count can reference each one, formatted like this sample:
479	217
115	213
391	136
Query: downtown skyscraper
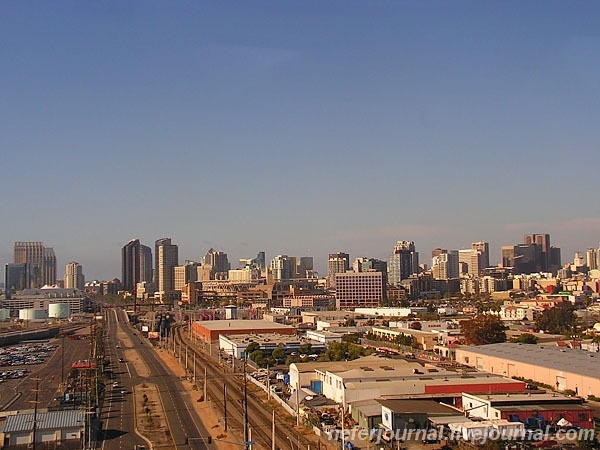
136	264
168	258
40	261
404	261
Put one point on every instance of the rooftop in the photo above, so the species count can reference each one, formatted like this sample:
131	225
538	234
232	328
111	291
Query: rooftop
239	324
50	420
418	407
549	356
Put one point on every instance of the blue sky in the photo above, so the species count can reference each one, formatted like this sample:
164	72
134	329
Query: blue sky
297	127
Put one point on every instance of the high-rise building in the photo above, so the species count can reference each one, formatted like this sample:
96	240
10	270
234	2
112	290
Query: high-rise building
158	243
40	260
168	258
16	278
542	259
446	265
282	267
217	262
337	263
131	265
74	278
591	258
260	261
146	272
484	256
304	265
185	274
358	289
404	262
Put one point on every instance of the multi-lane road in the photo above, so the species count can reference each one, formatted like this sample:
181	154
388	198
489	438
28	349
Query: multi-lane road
118	415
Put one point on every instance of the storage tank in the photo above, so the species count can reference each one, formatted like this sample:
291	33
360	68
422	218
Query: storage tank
33	314
59	310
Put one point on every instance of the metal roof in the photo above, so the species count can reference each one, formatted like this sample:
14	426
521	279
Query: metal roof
578	362
51	420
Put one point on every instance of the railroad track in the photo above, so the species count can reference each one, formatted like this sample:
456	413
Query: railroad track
259	414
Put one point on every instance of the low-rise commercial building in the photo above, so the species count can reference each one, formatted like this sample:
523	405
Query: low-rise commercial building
561	368
210	330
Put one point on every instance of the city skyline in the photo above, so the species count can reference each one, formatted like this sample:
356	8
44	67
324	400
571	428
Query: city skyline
322	265
299	129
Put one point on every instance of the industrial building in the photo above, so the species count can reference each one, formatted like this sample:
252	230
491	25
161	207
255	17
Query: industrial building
210	330
561	368
51	426
373	377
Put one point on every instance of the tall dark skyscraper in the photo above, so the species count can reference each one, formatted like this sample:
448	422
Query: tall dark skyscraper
16	277
130	265
40	260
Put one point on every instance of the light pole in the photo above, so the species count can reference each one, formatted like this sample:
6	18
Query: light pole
291	443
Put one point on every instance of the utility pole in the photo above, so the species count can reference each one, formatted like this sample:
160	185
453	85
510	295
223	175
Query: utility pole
225	406
246	434
273	432
205	385
35	408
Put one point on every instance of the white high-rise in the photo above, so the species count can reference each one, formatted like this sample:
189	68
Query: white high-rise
74	278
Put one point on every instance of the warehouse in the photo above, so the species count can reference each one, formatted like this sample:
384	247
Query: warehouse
561	368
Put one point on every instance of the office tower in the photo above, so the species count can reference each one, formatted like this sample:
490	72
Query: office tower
217	261
41	262
185	274
465	261
168	258
261	261
158	243
146	272
404	261
484	256
542	257
446	265
303	266
282	267
591	258
49	267
16	278
337	263
130	265
359	289
74	278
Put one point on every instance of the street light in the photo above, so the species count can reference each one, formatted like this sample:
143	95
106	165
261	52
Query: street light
291	443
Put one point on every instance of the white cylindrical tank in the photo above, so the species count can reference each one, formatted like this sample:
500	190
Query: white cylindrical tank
59	310
33	314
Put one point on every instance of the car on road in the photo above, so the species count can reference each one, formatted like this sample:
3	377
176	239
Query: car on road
124	391
121	360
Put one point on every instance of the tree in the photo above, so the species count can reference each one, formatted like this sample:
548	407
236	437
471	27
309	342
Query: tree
526	338
305	348
258	357
483	329
558	320
252	347
416	326
278	353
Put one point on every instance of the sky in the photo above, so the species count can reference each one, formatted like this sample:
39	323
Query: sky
297	127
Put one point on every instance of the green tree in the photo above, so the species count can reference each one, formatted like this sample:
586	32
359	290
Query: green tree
526	338
278	353
483	329
305	348
252	347
558	320
258	357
